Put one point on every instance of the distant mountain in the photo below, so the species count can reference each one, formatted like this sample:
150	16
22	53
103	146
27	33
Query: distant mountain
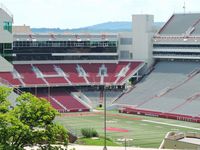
102	27
107	26
49	30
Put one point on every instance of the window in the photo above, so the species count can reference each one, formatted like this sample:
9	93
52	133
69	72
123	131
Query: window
7	26
7	46
125	55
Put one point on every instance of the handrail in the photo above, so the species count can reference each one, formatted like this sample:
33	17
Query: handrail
191	29
6	10
15	89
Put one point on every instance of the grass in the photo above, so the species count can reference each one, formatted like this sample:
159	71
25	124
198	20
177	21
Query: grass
100	141
99	108
144	134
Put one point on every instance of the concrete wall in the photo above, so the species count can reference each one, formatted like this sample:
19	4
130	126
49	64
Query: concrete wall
142	34
173	144
173	141
124	47
6	37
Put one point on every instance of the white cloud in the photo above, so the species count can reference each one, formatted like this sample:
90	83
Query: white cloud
79	13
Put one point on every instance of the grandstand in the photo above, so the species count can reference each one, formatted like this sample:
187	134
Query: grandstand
180	24
29	75
170	88
62	100
143	71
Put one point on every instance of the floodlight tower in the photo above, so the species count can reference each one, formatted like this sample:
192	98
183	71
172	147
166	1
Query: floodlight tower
184	7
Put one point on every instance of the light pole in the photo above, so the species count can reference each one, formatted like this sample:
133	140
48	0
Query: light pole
104	97
125	143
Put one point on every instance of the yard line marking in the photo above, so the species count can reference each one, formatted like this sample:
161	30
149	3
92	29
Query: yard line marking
169	124
143	124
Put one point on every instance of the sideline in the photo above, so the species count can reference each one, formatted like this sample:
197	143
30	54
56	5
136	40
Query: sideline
81	147
169	124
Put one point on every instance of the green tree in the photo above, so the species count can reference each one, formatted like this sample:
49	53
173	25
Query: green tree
30	122
4	103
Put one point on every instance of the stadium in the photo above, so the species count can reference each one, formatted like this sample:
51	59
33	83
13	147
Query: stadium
146	72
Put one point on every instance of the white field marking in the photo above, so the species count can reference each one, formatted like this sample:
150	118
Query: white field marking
116	119
111	121
174	129
143	124
169	124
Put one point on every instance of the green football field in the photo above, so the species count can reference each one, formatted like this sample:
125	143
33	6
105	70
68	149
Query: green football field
145	131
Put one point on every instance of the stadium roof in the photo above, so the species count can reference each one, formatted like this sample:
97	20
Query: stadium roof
182	25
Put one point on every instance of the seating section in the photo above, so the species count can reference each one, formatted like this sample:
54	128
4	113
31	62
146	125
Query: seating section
71	74
93	71
62	101
131	69
52	102
191	107
172	87
56	80
28	76
69	102
70	70
8	77
112	70
95	96
47	69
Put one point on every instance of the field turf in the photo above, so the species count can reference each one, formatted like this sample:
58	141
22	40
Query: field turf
143	132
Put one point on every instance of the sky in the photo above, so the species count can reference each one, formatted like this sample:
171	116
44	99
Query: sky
80	13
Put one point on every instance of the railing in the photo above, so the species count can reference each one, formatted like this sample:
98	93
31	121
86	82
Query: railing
15	89
6	10
5	82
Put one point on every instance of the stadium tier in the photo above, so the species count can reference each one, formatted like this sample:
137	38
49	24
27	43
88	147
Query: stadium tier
8	77
95	96
154	70
172	87
63	101
53	102
71	74
178	38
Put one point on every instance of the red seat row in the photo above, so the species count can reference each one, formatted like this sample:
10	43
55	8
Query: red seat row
63	101
67	74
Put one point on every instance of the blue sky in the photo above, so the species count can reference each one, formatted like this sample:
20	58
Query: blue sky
80	13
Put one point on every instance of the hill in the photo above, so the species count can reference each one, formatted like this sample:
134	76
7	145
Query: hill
121	26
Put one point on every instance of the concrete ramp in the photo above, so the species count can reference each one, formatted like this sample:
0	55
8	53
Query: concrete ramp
5	65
